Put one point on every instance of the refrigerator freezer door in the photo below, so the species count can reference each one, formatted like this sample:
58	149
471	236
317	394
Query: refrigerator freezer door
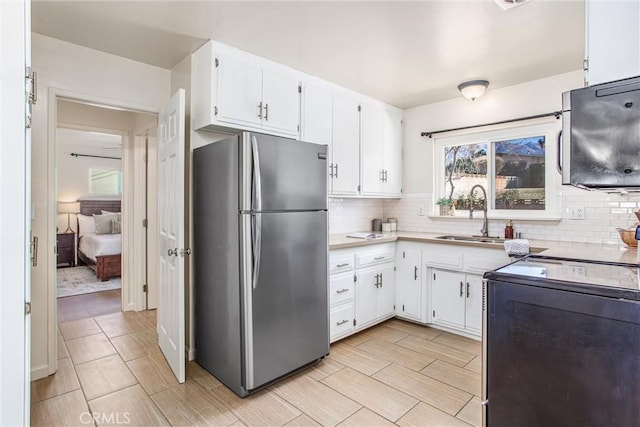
287	174
288	323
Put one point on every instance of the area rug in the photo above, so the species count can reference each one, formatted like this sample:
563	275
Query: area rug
82	280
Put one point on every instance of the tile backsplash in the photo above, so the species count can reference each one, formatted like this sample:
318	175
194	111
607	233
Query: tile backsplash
603	213
346	215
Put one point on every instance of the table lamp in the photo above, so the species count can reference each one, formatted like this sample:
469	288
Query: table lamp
68	208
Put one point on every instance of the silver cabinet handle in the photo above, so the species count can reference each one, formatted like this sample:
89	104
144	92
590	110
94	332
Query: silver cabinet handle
342	322
461	287
172	252
379	258
415	273
386	175
342	265
260	110
331	170
381	175
335	168
467	289
266	112
341	291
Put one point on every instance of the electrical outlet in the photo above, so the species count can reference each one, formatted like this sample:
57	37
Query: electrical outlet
574	213
421	210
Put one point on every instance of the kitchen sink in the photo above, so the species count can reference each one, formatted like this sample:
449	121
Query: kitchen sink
480	239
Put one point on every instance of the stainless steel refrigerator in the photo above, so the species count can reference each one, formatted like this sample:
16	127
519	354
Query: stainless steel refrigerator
260	258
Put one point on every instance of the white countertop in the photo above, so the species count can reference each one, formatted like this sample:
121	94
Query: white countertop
588	251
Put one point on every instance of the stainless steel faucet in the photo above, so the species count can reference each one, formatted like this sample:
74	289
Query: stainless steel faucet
485	222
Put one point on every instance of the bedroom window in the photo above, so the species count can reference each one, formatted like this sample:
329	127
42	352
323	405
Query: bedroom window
105	182
515	166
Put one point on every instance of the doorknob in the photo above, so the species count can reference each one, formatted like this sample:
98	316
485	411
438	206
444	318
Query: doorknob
184	252
33	246
172	252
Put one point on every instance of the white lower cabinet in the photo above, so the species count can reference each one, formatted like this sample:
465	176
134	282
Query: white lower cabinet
375	294
410	288
362	288
456	300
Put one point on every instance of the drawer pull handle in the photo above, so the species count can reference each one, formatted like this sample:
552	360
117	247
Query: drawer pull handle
461	289
342	322
379	258
340	291
342	265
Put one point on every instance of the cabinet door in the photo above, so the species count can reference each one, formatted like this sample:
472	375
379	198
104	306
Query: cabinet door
280	102
473	294
371	142
448	298
239	91
386	291
392	154
366	296
613	40
409	285
316	115
345	149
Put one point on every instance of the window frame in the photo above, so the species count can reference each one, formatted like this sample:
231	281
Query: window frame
106	169
550	132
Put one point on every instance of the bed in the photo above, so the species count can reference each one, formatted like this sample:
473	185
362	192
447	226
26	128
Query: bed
101	252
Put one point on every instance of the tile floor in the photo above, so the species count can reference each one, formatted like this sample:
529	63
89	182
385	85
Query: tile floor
110	369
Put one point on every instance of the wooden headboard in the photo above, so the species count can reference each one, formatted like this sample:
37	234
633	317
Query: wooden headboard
90	207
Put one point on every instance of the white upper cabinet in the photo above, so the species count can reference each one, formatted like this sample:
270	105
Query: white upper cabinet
234	89
317	114
613	40
381	158
344	170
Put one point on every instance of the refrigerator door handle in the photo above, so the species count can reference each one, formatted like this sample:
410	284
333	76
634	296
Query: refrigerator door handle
257	183
257	247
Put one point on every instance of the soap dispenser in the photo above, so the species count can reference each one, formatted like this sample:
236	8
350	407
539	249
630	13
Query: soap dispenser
508	230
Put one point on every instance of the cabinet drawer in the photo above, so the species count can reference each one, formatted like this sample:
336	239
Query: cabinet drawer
341	319
341	288
442	256
340	263
375	257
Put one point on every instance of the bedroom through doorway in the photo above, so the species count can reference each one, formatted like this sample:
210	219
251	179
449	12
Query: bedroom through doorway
101	176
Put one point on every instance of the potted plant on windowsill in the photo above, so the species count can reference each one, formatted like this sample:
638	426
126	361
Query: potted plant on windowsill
445	205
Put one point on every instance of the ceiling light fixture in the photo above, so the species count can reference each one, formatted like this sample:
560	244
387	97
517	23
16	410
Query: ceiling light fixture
473	88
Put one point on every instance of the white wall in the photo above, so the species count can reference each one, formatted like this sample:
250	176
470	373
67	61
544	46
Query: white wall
603	213
82	73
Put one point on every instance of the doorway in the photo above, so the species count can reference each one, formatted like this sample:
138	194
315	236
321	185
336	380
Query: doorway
104	210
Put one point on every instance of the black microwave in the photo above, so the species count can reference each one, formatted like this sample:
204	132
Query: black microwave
600	146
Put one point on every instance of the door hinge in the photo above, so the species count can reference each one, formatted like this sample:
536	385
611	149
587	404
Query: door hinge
354	322
585	64
358	188
434	276
215	111
27	307
402	307
217	62
403	254
299	88
298	128
394	306
31	95
355	278
359	108
394	268
144	223
145	288
434	313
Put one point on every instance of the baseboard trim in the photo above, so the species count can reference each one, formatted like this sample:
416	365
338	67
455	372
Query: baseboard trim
39	372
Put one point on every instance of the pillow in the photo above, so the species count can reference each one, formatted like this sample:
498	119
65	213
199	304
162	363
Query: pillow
86	224
116	226
103	222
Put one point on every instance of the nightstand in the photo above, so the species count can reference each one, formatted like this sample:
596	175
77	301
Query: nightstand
67	249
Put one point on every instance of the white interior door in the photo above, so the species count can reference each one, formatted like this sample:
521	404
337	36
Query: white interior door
15	202
171	328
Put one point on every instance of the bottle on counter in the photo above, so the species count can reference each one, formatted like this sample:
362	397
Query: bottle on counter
508	230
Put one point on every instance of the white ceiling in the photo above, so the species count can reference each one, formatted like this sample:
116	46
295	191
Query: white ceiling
404	53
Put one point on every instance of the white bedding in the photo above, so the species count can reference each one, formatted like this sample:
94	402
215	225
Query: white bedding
93	245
